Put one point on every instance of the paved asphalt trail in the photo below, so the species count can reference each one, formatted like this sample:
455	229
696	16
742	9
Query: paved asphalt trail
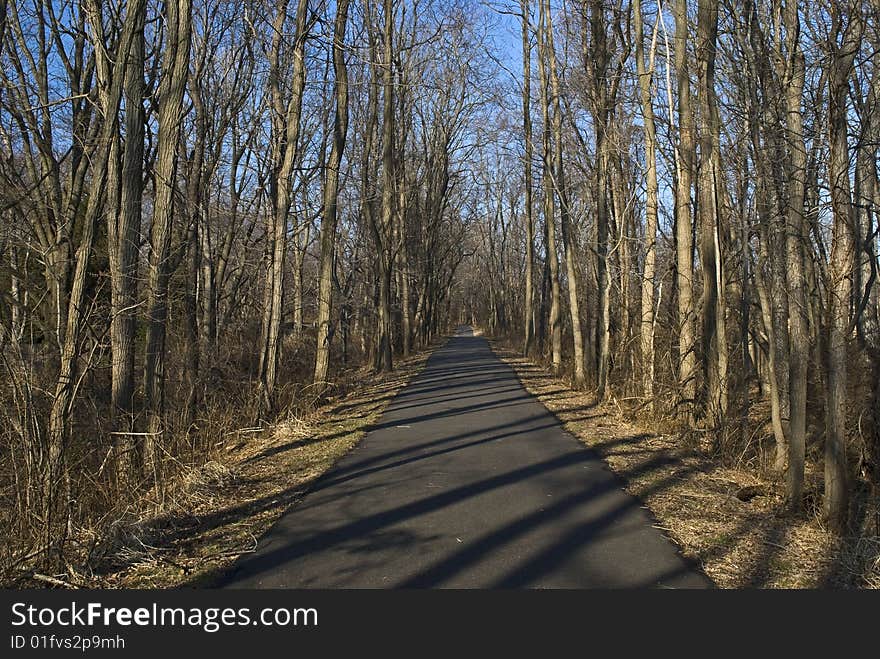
467	481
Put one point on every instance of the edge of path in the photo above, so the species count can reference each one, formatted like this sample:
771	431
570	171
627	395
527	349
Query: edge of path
220	510
722	518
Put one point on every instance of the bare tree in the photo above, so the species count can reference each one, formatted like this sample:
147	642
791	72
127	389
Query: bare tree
549	205
529	301
331	195
843	45
286	115
645	72
683	216
175	65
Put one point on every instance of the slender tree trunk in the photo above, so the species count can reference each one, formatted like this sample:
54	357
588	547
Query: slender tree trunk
300	242
645	75
799	342
683	223
384	232
286	129
549	205
713	330
123	238
529	302
175	65
192	354
568	239
842	261
331	196
597	58
195	237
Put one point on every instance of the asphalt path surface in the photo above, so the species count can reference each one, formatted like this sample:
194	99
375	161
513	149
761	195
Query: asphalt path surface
467	481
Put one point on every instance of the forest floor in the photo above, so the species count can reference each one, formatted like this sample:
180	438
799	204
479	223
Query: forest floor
727	519
221	509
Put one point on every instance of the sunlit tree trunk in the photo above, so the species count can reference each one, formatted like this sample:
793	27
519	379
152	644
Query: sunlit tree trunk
286	130
714	333
687	367
331	196
568	239
645	75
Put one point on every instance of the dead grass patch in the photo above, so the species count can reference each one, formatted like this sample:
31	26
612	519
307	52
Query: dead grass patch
727	519
213	514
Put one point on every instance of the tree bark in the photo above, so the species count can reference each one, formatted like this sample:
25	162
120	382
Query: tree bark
529	302
175	63
683	219
286	130
842	54
383	232
645	77
799	341
331	196
568	239
714	334
549	205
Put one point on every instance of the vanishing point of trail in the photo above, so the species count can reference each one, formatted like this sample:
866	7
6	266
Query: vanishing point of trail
467	481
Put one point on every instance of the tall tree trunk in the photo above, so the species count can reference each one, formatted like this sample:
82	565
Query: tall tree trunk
842	259
713	330
196	237
645	75
568	239
529	302
175	64
683	223
111	79
597	58
331	196
768	154
123	238
799	341
549	205
384	231
286	130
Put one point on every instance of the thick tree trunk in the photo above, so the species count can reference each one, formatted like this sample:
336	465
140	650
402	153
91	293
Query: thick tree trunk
123	238
54	488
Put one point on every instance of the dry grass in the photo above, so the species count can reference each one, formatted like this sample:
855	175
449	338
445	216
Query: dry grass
215	513
727	519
